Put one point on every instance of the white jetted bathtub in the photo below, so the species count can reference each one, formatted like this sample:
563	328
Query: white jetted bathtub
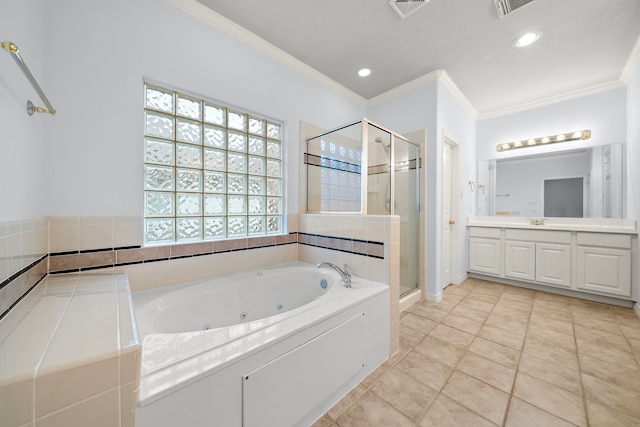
270	347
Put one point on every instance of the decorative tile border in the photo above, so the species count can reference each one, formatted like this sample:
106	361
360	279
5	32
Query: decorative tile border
68	262
105	258
343	244
16	287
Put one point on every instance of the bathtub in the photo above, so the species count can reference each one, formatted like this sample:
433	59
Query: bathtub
270	347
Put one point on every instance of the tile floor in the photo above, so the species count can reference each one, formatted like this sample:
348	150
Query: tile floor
496	355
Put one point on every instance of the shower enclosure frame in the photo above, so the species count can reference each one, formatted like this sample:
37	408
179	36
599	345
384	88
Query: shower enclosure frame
364	184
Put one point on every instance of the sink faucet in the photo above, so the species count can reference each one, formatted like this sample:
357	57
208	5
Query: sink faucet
536	221
345	275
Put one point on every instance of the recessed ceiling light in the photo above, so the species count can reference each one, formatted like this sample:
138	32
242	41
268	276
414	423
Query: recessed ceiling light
527	39
364	72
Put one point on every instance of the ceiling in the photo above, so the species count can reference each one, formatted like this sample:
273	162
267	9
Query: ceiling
585	43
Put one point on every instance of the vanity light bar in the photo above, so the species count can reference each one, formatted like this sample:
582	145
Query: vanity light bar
563	137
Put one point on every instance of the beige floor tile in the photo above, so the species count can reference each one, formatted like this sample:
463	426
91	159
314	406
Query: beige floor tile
373	376
601	325
488	371
446	305
404	393
565	341
491	288
481	295
496	352
324	421
426	370
625	376
443	351
552	324
603	416
561	403
477	304
519	326
370	411
519	294
428	310
522	414
457	289
555	354
632	322
470	313
612	395
419	323
552	313
445	412
462	323
409	337
635	346
346	401
610	349
507	311
551	372
524	306
500	336
451	335
555	302
631	332
487	401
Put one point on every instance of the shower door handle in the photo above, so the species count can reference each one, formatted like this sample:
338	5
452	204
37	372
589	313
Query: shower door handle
452	221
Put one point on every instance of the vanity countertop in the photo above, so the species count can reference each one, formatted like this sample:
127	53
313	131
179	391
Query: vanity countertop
591	225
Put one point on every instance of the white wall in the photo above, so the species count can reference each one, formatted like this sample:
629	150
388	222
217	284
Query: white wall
434	108
604	113
97	55
22	142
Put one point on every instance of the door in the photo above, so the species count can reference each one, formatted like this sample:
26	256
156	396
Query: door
520	260
447	212
553	264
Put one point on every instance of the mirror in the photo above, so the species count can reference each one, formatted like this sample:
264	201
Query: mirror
583	183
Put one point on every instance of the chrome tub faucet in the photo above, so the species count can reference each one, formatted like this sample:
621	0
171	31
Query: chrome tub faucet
345	274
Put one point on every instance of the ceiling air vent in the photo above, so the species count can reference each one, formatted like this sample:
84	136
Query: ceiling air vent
406	7
505	7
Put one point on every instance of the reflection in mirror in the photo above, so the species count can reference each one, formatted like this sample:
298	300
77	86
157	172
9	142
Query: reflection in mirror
334	167
584	183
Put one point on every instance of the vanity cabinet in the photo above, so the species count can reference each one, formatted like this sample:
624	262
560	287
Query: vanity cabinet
485	251
597	263
604	264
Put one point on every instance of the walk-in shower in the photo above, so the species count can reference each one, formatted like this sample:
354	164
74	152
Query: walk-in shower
335	163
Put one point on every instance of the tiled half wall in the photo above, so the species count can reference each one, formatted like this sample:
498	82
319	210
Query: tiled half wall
87	243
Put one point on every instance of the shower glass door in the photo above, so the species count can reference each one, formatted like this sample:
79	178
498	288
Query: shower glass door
395	191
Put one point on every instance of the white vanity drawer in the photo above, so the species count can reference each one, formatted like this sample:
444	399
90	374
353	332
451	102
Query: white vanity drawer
546	236
622	241
487	232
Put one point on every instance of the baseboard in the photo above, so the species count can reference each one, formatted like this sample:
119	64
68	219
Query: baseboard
566	292
434	297
636	309
461	279
411	298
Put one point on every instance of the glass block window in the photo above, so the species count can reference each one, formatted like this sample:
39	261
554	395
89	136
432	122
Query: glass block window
210	171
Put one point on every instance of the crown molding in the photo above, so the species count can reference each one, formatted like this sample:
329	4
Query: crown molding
404	88
448	82
554	99
216	20
633	60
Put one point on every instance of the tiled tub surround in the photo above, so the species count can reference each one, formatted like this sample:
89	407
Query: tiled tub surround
23	252
70	354
384	229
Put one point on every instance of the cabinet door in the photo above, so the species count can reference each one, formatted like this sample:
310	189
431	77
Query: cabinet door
485	256
604	270
553	264
520	260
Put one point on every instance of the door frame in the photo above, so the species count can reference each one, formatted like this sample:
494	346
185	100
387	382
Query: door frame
455	205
